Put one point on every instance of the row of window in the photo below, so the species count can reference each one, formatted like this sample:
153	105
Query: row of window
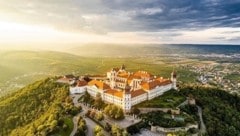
139	99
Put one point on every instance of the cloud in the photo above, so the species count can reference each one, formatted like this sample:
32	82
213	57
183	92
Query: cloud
162	19
152	11
123	15
234	39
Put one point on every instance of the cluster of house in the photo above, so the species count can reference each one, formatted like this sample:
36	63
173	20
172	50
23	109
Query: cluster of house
123	88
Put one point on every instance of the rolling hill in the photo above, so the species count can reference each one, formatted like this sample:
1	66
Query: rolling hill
36	109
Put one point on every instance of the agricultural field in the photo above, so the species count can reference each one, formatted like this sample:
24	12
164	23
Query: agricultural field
19	68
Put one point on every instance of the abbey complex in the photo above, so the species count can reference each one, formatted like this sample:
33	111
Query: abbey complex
124	88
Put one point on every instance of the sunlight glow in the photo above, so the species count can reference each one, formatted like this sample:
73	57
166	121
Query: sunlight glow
21	33
14	32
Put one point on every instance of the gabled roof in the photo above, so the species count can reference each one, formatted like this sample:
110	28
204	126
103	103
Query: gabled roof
153	84
115	93
137	77
99	84
137	93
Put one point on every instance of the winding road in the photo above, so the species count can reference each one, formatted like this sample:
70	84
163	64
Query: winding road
202	125
203	129
75	118
75	121
90	124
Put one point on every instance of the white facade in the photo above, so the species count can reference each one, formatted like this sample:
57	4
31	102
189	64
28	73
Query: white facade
78	90
127	103
112	99
139	99
93	91
159	90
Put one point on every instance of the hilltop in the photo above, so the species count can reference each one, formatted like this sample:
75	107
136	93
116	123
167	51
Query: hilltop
44	107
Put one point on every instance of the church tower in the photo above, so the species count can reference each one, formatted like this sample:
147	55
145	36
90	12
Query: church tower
123	68
127	99
174	80
112	78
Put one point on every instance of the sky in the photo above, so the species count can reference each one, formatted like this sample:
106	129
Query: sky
46	23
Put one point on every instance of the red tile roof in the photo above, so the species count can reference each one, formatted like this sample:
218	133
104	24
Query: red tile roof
99	84
129	80
137	93
115	93
153	84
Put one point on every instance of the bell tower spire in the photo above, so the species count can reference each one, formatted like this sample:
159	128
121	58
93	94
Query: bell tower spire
174	79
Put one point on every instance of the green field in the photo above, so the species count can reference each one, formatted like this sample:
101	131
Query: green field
19	68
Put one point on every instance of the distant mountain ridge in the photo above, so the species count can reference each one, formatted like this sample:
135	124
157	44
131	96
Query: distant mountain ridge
144	50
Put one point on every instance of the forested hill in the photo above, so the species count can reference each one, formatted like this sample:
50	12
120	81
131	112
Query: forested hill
37	109
221	110
44	108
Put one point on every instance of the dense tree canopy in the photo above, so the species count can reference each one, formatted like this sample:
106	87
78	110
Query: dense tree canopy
98	102
37	109
116	131
114	111
221	110
98	131
82	127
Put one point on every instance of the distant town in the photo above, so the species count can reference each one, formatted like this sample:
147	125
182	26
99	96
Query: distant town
225	76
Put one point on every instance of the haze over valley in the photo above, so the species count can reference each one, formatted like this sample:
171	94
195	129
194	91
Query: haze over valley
18	67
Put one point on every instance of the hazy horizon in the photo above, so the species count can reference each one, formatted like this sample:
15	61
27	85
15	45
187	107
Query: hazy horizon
64	47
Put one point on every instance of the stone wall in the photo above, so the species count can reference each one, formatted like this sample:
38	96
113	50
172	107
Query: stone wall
168	130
